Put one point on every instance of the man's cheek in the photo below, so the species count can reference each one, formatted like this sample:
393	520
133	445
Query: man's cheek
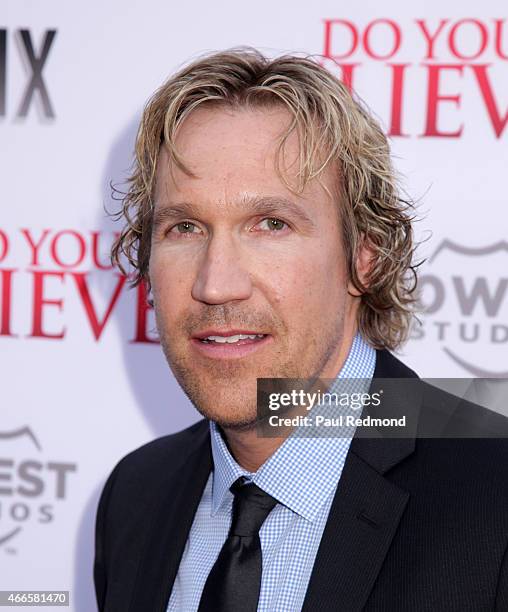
169	280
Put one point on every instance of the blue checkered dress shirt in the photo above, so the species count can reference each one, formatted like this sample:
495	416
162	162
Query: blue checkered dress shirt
302	476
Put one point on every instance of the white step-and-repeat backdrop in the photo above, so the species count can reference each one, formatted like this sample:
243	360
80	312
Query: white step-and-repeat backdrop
83	380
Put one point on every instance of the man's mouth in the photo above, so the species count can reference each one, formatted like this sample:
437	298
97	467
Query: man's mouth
225	344
235	339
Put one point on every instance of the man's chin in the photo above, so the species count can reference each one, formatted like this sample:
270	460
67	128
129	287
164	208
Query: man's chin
230	419
233	411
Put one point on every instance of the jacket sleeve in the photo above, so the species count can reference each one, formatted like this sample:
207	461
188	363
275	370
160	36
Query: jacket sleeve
100	561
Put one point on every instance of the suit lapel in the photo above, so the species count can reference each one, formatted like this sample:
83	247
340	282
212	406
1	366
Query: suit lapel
170	525
362	522
366	509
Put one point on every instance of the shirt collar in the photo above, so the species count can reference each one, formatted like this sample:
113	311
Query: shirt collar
315	463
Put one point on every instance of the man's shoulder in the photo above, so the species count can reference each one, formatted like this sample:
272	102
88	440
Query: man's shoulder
460	442
151	465
172	447
454	435
443	414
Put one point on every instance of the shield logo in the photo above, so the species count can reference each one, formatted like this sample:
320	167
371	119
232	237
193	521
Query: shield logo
464	300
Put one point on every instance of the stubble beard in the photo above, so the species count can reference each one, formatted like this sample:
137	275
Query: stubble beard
227	392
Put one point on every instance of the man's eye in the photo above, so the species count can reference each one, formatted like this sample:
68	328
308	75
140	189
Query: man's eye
273	224
184	227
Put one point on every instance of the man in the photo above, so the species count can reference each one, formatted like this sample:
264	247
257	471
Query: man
264	216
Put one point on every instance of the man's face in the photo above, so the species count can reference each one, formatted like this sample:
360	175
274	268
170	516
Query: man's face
235	253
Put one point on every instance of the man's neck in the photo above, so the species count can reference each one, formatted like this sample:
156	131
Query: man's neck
249	449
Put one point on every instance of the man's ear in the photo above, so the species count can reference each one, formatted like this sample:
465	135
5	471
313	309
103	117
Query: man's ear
363	263
148	288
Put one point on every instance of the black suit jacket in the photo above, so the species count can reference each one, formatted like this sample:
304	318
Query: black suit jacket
415	525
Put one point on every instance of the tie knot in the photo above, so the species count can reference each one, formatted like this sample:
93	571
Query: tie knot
251	506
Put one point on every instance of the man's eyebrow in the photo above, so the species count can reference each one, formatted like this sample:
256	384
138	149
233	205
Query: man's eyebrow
257	205
173	211
274	205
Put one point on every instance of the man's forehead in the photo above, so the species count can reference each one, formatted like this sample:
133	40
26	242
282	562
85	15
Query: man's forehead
240	138
238	150
174	185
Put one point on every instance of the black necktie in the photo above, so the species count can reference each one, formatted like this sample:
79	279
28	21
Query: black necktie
234	581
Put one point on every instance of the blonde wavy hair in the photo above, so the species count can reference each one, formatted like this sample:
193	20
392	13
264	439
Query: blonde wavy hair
332	126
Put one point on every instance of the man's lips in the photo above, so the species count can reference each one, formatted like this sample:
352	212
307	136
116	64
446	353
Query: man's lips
214	343
225	333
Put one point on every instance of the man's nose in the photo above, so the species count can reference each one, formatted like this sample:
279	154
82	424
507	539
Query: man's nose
222	276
